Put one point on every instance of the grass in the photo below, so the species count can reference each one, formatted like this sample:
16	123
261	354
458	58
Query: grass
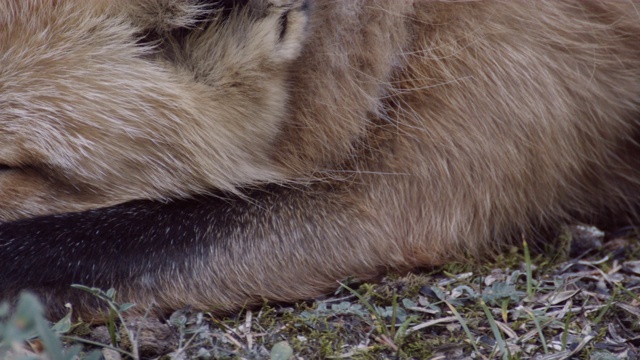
519	306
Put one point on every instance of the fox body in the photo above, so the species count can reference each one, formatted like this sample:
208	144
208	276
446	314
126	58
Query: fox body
192	156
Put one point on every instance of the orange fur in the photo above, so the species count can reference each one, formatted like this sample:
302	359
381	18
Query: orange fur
382	135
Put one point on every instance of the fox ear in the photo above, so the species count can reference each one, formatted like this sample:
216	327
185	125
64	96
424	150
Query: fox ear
172	14
223	4
165	19
164	16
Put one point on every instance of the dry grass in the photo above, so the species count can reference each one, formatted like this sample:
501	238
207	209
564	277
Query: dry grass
577	300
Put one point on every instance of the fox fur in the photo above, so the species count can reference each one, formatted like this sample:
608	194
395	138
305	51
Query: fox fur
189	155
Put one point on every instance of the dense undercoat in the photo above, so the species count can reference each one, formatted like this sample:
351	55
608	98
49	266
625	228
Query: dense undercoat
381	135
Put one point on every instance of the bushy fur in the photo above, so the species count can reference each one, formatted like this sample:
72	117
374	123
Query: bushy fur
379	135
92	116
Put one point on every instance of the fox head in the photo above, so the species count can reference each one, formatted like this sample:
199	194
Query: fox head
101	103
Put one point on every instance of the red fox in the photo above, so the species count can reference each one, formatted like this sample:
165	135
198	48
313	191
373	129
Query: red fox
217	154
